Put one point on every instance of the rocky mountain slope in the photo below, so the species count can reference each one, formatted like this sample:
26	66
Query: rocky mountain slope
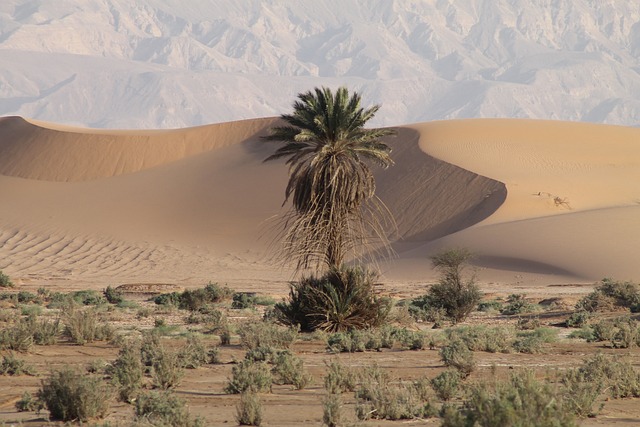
164	63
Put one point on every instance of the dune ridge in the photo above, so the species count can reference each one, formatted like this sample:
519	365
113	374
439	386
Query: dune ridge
40	150
186	206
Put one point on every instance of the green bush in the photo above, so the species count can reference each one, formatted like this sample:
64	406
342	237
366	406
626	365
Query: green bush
578	319
490	306
340	300
166	369
266	334
614	374
11	365
84	326
5	281
242	300
69	395
193	354
522	401
151	347
249	375
195	299
360	340
446	384
622	332
112	295
87	297
249	409
164	409
28	403
492	339
457	296
518	304
532	342
18	337
457	355
609	295
380	398
332	410
127	372
340	378
289	369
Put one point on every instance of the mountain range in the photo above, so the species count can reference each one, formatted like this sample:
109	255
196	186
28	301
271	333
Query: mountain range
171	64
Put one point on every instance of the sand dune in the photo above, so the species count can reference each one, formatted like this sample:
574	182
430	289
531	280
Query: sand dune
90	208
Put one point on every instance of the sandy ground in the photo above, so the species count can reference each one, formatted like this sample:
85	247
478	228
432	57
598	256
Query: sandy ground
541	203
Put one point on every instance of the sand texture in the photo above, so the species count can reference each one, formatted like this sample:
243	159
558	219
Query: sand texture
538	201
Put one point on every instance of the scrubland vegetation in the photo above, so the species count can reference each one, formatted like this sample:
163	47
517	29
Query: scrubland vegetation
263	357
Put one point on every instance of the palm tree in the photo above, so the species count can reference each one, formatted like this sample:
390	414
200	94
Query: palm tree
331	187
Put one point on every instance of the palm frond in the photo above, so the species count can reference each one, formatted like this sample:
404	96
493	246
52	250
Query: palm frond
330	184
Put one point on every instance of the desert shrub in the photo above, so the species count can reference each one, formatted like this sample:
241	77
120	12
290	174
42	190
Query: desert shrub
332	410
266	334
622	332
522	401
518	304
585	333
249	409
422	309
615	374
44	332
166	369
242	300
490	306
454	294
213	355
11	365
195	299
249	375
380	398
289	369
581	392
358	340
87	297
18	337
26	297
446	384
27	403
151	347
210	316
193	354
578	319
97	366
72	395
340	378
164	409
261	354
457	355
528	323
83	326
532	341
412	340
172	299
338	301
127	372
609	295
496	339
225	335
5	281
30	310
112	295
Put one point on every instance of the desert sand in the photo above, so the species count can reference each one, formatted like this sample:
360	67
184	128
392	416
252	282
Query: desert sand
548	207
540	203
